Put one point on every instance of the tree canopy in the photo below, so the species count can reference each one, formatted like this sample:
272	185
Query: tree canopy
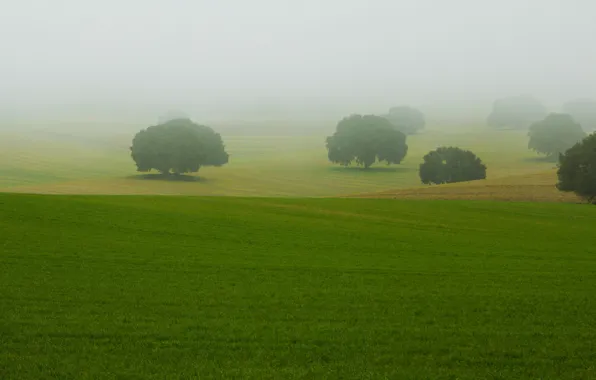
366	139
516	112
577	169
451	164
177	146
554	135
583	111
406	119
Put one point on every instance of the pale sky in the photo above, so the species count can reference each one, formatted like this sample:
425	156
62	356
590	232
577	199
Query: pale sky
245	52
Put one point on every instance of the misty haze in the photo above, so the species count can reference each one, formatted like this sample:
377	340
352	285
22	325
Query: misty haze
120	59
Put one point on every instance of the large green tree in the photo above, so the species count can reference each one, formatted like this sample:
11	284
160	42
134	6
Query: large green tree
365	140
577	169
409	120
554	135
451	164
177	146
516	112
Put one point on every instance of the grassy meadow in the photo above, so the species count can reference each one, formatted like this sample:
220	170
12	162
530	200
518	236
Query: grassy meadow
289	279
532	187
295	166
210	287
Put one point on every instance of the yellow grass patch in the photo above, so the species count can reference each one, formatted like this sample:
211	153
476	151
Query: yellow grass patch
537	187
266	166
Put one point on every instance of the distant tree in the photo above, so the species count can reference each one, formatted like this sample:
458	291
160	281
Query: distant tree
583	111
451	164
177	146
172	115
577	169
516	112
406	119
366	139
554	135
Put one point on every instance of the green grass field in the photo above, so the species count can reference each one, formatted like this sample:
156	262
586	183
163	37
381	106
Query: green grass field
190	287
259	165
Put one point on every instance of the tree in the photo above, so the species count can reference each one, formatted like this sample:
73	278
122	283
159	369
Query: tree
516	112
554	135
583	111
366	139
406	119
177	146
577	169
451	164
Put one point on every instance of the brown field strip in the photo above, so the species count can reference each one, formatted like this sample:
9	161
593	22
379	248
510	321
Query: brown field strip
538	187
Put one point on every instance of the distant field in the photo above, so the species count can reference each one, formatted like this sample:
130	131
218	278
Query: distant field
535	187
259	165
258	288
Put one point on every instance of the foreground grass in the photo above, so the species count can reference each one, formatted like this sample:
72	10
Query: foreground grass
259	165
161	287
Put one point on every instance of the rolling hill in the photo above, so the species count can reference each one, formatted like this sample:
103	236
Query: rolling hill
535	187
269	288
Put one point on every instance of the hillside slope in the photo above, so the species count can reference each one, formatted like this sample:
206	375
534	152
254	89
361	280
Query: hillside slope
537	187
189	287
264	166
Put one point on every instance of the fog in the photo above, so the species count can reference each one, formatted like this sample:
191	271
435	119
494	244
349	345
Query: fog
241	59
